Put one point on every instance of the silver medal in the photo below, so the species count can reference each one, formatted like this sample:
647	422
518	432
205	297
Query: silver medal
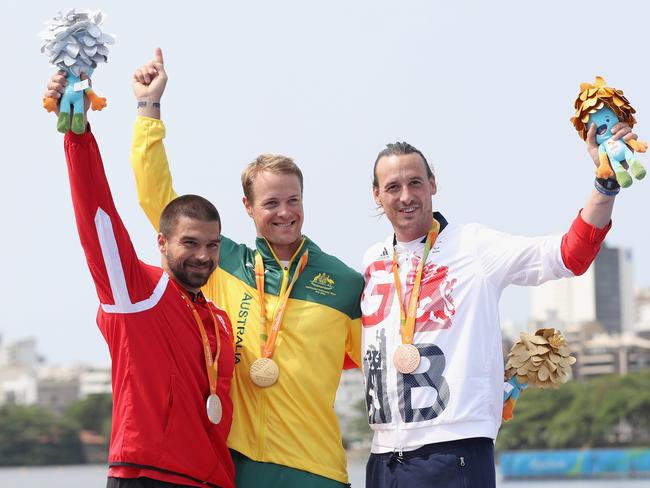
213	406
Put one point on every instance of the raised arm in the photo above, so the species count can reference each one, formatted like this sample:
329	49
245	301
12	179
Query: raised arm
123	284
148	158
105	241
598	209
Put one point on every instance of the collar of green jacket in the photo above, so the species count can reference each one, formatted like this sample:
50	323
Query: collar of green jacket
269	258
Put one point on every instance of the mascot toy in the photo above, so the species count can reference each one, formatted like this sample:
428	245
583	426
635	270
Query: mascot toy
75	44
604	107
542	360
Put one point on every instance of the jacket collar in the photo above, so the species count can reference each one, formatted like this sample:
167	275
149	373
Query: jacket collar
436	215
271	260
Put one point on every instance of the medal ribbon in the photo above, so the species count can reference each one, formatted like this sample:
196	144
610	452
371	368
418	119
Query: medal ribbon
407	320
211	365
267	339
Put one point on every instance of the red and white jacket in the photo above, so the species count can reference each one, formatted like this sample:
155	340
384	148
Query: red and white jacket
457	391
160	385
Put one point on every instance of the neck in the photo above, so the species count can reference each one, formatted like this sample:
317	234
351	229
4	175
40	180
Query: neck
185	287
411	233
285	252
180	283
404	240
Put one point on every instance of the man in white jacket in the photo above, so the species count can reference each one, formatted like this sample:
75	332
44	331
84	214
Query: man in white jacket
433	362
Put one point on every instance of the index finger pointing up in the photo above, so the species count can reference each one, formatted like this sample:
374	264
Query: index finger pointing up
158	55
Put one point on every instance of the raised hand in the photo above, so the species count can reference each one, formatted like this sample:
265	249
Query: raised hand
149	80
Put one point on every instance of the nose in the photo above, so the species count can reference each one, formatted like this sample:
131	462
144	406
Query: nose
406	196
202	254
283	210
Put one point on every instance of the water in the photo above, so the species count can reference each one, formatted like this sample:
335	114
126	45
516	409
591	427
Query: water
90	476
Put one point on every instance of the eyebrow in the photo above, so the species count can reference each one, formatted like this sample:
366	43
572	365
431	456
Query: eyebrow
195	239
274	198
409	179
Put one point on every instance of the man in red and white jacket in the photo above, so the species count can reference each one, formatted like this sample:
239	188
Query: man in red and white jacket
162	334
435	425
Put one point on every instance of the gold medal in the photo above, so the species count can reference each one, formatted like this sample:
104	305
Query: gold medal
264	372
213	406
406	358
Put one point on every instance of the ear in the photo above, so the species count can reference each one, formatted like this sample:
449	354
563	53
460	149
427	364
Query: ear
162	243
375	194
248	205
434	187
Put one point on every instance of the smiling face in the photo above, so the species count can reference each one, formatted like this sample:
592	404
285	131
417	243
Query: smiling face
404	191
275	205
604	119
190	252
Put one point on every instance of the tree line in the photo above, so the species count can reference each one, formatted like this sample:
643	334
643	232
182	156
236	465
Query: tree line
31	435
609	411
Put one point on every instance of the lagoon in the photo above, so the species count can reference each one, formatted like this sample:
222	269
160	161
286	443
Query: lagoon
90	476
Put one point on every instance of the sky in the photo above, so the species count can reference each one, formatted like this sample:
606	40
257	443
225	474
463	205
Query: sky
484	89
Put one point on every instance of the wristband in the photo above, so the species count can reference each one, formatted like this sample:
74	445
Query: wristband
609	186
143	103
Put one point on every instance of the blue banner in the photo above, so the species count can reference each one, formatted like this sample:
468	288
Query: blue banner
585	463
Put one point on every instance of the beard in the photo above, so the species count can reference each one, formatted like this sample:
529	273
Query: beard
188	276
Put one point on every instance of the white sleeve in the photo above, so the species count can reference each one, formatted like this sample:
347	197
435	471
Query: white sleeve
516	260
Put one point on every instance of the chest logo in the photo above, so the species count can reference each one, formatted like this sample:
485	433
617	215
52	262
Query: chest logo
436	305
322	284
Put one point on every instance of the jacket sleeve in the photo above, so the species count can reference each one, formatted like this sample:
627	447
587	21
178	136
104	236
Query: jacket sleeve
353	345
122	282
153	179
581	244
353	340
516	260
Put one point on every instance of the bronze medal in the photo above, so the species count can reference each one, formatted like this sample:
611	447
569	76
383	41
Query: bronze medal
214	408
264	372
406	358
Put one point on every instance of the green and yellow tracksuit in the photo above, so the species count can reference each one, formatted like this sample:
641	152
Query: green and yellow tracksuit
293	422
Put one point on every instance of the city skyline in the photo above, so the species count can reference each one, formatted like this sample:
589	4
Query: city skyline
485	90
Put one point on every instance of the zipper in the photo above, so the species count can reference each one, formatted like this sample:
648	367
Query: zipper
397	456
262	391
261	425
462	461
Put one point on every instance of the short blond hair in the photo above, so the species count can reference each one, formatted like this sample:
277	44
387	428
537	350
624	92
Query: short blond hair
274	163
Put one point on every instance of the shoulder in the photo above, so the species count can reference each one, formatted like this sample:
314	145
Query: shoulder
378	251
322	261
473	232
237	259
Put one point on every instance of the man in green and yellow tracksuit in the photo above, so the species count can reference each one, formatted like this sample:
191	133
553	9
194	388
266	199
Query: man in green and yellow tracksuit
294	310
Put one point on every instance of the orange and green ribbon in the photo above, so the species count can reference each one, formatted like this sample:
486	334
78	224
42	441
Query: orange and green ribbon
211	364
407	319
268	338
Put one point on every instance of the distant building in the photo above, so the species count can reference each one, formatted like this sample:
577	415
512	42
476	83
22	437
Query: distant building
94	380
614	287
643	313
26	380
611	354
18	386
349	395
20	353
58	388
350	409
19	362
604	294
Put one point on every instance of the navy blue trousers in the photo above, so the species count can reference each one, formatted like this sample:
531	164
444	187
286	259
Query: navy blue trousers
465	463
